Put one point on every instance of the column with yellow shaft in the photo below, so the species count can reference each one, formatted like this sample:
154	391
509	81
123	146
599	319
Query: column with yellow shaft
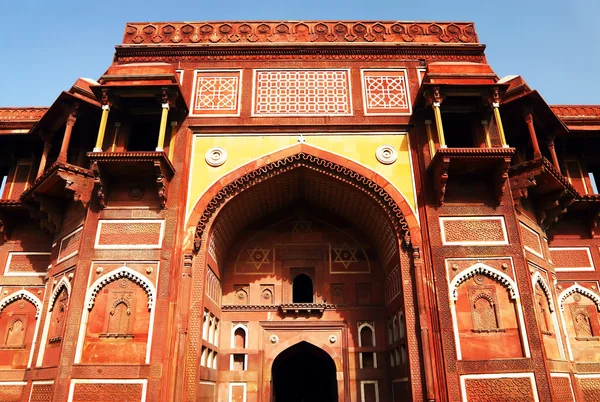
438	124
496	108
160	147
103	121
172	139
430	138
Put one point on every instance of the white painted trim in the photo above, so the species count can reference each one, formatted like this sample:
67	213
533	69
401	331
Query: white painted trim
360	359
362	389
236	384
503	279
537	235
244	326
500	218
239	94
63	283
419	75
129	246
245	361
388	179
481	268
143	382
366	324
463	385
18	273
348	75
90	297
364	94
575	288
567	269
34	383
22	294
79	229
11	383
537	278
180	71
566	375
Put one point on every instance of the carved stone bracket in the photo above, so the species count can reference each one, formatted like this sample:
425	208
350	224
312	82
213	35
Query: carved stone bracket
111	166
464	160
550	192
44	199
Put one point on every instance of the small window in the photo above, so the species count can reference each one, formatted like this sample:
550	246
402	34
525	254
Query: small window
239	338
302	289
368	360
238	362
366	336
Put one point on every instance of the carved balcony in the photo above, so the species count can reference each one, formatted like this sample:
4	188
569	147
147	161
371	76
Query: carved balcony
112	167
549	191
11	212
486	162
45	199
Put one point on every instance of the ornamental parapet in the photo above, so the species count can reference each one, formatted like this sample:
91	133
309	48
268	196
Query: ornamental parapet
306	32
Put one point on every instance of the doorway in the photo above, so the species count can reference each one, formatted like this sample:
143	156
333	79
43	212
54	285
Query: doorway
304	373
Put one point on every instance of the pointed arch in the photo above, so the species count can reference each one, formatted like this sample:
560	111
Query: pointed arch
537	278
62	284
121	272
577	288
22	294
385	193
481	268
372	328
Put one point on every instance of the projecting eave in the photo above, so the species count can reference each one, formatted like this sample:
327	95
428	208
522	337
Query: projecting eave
579	117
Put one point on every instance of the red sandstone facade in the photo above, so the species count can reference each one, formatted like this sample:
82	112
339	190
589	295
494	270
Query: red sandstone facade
208	222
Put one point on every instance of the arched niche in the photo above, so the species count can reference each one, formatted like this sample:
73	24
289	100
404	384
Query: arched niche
486	312
19	313
116	325
580	309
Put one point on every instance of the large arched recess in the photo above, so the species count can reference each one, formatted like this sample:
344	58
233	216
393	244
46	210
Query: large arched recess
400	217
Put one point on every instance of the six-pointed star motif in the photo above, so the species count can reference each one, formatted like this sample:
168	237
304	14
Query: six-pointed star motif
345	255
258	256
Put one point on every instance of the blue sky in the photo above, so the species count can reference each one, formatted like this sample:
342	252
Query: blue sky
46	45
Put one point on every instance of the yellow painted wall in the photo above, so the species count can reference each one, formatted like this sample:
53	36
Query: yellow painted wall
243	149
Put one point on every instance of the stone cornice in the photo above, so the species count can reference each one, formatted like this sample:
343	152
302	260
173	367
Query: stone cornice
347	51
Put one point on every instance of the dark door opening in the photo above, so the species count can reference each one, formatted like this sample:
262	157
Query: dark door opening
302	289
304	373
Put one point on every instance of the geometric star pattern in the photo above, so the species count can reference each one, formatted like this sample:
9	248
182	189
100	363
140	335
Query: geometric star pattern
216	93
302	92
385	92
301	225
345	254
258	256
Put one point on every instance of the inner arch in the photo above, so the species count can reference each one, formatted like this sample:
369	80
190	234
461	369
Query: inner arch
304	373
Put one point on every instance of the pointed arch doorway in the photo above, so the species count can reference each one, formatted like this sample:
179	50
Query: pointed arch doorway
304	373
